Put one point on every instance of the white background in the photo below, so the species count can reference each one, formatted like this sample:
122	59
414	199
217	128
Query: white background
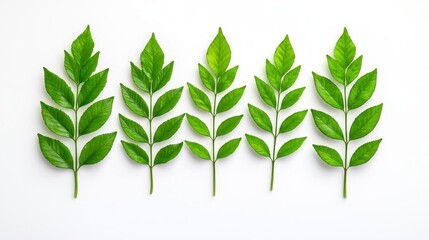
388	197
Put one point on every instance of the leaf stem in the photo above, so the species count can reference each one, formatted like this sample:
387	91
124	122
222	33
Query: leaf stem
150	139
275	135
76	187
151	179
213	143
345	184
214	178
346	140
75	138
272	175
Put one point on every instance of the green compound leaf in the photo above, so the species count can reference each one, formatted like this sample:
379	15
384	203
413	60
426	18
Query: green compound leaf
206	77
80	65
362	90
55	152
200	99
345	50
134	102
218	58
258	145
266	92
226	79
97	149
58	89
365	122
168	153
228	125
198	150
290	78
199	126
345	69
292	97
293	121
329	155
95	116
284	56
337	71
353	70
228	148
150	78
230	99
328	91
92	88
57	121
133	130
219	54
135	152
281	78
152	59
167	101
290	147
327	125
139	78
167	129
364	153
260	118
273	75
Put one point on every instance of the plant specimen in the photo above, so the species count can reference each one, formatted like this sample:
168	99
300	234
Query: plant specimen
149	79
80	66
280	78
216	81
345	69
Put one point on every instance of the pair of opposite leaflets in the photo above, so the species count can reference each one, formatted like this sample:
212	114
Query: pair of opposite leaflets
80	65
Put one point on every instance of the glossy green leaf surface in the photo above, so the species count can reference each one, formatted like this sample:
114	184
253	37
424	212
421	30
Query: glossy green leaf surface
168	153
199	150
95	116
135	152
327	125
365	122
329	155
261	119
97	149
55	152
219	54
230	100
133	130
364	153
57	121
290	147
258	145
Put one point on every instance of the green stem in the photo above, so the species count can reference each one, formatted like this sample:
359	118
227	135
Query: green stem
75	138
151	179
76	187
272	175
214	178
345	184
346	141
213	144
150	141
275	134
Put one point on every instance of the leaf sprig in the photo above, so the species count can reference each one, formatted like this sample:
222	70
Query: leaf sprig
218	59
345	69
152	77
80	66
280	78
